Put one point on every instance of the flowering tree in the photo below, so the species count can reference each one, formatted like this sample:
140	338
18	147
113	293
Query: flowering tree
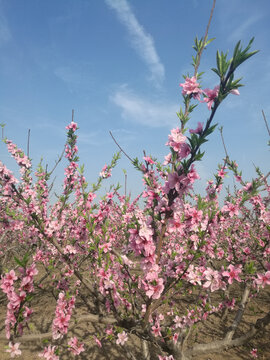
153	272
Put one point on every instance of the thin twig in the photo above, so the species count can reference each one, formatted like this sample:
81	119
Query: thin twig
123	151
125	185
28	142
56	163
266	123
223	142
205	38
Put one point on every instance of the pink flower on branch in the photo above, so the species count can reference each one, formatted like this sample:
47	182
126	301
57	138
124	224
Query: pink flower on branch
121	338
75	347
176	139
49	353
14	349
198	130
165	357
210	96
98	342
213	280
263	279
72	126
63	314
148	160
156	330
235	92
191	87
232	273
254	353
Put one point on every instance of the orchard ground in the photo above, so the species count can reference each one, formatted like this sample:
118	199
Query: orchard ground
213	328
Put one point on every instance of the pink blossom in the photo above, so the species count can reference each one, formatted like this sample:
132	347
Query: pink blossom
109	331
198	130
97	342
27	312
63	313
254	353
105	172
232	209
248	186
121	338
176	139
263	279
213	279
191	87
193	175
7	281
210	97
178	322
49	353
238	178
168	159
184	151
193	276
175	337
156	330
72	126
235	92
221	173
173	179
14	349
232	273
11	276
155	289
75	347
148	160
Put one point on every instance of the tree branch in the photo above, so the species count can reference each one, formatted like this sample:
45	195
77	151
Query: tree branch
219	345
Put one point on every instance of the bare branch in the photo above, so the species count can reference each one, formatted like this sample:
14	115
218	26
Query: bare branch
205	38
266	123
123	151
90	318
223	142
239	314
218	346
145	350
28	142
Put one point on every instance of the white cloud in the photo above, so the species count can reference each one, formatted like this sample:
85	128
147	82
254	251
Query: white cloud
142	42
241	30
75	76
5	34
140	110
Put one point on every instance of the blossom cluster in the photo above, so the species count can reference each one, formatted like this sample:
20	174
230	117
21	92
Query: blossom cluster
192	88
17	312
63	314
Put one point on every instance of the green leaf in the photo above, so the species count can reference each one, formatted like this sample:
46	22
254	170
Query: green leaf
209	41
19	262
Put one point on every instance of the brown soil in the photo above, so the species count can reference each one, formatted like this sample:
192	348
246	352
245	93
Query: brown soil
213	328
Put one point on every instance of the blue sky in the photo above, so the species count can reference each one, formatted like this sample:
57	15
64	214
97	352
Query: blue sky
118	64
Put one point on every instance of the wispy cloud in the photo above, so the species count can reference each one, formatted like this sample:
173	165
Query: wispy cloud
241	30
238	19
5	34
48	125
142	42
138	109
75	76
